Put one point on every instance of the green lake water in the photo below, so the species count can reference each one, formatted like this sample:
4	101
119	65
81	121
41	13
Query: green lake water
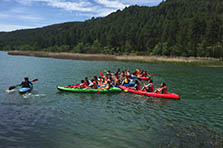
47	118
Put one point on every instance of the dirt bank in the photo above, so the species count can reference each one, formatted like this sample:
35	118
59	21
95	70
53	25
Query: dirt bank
102	57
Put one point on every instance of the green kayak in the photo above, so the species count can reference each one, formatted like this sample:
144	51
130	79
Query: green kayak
89	90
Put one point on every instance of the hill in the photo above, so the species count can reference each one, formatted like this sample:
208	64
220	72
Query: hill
173	28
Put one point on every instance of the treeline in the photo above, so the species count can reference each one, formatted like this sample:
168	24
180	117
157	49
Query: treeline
173	28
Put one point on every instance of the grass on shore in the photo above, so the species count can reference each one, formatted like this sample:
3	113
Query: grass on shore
197	61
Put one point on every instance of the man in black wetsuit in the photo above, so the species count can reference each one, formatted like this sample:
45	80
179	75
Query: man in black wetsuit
26	83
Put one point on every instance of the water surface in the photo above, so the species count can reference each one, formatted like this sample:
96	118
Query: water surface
49	118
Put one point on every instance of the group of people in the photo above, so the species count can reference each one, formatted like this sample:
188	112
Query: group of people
122	78
115	80
107	81
149	87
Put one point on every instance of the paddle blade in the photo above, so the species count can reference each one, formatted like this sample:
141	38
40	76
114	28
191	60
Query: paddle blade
101	74
34	80
12	87
125	90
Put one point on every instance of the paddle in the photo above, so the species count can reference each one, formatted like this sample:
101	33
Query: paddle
13	87
102	74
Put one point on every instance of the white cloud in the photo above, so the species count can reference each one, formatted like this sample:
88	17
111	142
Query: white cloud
30	18
111	4
66	5
104	12
72	6
82	6
141	2
24	2
9	27
19	14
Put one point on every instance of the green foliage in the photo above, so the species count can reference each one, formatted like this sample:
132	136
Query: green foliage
79	48
173	28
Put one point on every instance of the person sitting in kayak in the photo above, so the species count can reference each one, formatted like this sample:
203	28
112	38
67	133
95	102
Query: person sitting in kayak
139	72
93	84
82	85
127	73
108	85
116	81
109	75
144	74
122	76
137	85
162	90
118	72
95	79
125	81
148	87
100	81
26	83
86	81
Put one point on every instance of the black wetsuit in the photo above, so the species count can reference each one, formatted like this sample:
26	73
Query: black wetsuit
26	84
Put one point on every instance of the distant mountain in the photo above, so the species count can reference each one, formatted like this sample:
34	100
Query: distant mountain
173	28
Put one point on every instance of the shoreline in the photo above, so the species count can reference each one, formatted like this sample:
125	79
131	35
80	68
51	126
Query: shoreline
102	57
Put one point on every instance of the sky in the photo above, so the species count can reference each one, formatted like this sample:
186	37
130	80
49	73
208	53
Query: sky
23	14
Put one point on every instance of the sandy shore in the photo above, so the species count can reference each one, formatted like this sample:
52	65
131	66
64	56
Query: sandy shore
102	57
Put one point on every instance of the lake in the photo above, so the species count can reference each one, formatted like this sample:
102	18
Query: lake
48	118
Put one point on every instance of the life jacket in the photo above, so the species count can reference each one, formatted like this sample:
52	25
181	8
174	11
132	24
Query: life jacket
107	86
100	82
26	84
126	81
82	85
144	74
138	73
86	83
164	90
95	84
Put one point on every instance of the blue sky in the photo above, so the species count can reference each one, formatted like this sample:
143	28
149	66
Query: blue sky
22	14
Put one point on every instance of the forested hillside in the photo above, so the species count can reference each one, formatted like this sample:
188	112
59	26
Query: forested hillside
173	28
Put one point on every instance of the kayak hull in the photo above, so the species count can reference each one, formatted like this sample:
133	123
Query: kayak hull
90	90
168	95
25	90
151	94
131	84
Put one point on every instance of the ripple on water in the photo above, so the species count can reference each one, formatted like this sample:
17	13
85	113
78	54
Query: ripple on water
48	118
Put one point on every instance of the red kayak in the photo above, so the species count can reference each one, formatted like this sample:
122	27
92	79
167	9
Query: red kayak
129	89
168	95
140	92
